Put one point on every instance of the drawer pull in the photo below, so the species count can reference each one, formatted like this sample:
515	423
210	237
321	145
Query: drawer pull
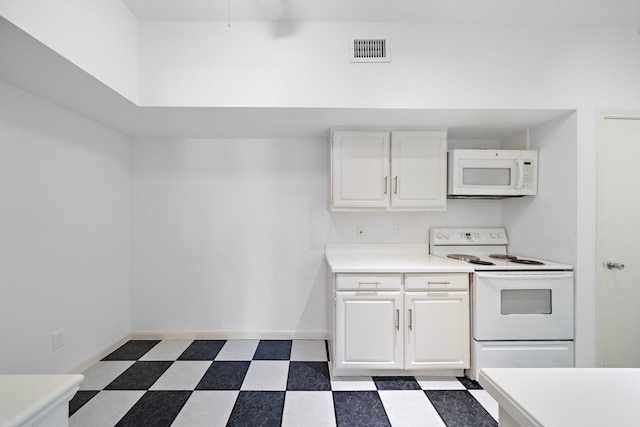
438	283
368	283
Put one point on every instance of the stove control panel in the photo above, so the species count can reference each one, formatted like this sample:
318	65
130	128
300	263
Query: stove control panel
467	236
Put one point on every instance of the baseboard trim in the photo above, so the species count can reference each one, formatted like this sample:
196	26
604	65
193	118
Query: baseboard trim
229	335
84	365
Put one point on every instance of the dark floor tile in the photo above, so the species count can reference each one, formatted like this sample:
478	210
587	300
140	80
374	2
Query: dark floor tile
132	350
81	397
273	350
257	408
139	376
359	408
155	408
224	376
396	383
202	350
469	383
309	376
459	408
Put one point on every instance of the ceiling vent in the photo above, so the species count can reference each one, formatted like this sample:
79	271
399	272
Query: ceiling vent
374	49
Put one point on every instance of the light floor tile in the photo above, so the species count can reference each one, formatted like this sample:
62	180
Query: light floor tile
167	350
266	375
487	402
105	409
440	383
100	374
238	350
309	409
409	408
309	351
182	375
352	384
206	408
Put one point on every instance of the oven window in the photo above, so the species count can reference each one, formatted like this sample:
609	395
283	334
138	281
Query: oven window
525	301
486	176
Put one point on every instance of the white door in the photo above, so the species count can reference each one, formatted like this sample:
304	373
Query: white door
419	169
437	330
368	326
618	288
360	169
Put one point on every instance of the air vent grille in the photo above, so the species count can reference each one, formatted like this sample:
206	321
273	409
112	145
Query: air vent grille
375	49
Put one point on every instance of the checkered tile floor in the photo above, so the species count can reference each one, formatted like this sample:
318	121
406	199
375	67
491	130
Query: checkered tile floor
265	383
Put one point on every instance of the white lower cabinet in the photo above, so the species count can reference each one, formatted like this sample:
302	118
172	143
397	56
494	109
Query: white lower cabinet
369	334
437	332
390	329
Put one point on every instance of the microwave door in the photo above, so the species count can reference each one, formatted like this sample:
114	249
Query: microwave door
481	177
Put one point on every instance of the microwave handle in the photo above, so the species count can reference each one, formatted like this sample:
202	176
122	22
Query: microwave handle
520	172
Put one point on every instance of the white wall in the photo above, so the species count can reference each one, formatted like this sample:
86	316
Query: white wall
252	64
64	235
99	36
228	236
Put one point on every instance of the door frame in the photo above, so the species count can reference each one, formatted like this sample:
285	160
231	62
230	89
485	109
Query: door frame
600	147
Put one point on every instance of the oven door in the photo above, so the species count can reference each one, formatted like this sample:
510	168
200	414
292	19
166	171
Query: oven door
522	306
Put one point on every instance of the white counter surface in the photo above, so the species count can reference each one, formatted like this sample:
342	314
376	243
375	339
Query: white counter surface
36	399
566	397
388	258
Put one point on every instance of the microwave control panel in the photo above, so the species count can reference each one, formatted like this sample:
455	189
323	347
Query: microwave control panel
528	171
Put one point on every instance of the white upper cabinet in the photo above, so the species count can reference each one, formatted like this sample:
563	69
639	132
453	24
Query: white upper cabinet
360	169
419	169
388	170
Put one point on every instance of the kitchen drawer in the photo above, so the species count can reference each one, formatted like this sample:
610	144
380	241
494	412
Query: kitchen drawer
368	281
431	281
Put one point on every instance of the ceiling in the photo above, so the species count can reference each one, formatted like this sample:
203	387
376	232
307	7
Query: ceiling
495	12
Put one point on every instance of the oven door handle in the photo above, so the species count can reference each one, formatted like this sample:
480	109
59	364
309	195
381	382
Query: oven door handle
524	276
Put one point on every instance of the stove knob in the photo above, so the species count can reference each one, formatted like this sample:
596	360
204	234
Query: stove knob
439	235
446	235
493	235
499	235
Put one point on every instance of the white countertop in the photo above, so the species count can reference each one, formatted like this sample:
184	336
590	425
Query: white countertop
24	398
389	258
566	396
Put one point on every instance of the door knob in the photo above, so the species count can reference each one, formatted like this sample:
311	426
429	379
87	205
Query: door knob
614	265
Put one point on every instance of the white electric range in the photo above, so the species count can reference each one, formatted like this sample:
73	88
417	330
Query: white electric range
522	309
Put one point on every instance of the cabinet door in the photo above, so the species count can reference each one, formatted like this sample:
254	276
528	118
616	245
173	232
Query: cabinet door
368	326
419	169
437	330
360	169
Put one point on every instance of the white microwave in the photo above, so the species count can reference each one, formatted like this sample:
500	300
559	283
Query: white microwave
485	173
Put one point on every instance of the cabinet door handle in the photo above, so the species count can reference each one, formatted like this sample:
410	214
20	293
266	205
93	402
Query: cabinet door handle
386	182
397	319
410	319
395	185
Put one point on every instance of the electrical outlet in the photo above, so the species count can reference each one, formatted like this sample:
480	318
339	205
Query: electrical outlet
360	232
57	339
